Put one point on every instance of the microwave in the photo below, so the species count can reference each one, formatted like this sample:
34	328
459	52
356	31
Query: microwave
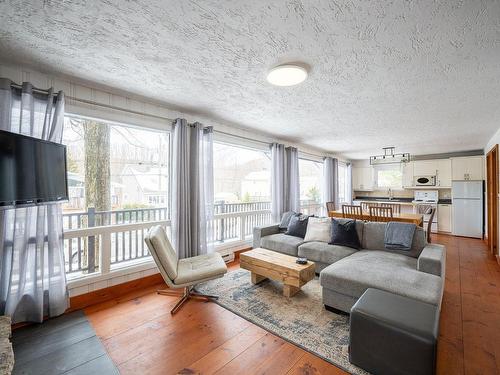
425	181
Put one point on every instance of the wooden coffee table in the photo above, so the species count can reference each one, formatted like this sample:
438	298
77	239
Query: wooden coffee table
263	264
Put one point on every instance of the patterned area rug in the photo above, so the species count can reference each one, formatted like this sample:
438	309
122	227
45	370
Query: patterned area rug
301	320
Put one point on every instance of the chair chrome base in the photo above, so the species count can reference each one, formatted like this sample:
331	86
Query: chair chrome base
189	292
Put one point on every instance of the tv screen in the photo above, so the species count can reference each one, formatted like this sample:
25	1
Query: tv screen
31	170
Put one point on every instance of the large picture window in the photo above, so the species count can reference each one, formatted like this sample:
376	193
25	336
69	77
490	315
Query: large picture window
242	191
310	176
117	175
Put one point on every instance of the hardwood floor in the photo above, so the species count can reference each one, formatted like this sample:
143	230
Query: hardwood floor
142	337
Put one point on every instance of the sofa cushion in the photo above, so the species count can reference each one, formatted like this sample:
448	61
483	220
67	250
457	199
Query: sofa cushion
282	243
345	234
382	270
297	226
319	229
323	252
374	235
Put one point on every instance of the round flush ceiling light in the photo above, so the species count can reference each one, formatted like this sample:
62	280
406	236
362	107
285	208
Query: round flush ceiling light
287	75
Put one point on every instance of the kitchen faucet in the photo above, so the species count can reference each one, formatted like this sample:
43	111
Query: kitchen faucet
389	191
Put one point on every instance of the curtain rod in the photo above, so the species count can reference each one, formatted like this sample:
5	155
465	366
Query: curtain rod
109	106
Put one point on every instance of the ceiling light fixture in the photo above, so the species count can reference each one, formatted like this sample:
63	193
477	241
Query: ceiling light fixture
389	157
287	75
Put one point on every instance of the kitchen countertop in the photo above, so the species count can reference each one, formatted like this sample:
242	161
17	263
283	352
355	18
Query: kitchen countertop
407	201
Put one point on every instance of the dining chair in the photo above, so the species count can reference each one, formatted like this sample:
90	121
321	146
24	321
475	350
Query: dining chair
431	213
396	207
365	206
182	273
380	213
330	206
350	211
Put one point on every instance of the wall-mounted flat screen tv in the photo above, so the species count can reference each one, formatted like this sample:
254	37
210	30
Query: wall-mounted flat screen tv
32	171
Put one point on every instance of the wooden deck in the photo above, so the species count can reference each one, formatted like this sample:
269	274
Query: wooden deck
143	338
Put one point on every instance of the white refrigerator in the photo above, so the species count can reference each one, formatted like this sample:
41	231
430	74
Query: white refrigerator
467	204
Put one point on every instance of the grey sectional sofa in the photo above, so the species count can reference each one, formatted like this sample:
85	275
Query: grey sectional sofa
346	273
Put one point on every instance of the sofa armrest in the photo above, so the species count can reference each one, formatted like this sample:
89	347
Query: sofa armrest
259	232
432	260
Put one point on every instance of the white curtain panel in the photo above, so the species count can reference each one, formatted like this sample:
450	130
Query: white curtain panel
32	273
330	180
192	189
285	189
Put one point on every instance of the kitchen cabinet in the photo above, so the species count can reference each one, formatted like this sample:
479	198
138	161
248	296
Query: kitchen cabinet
467	168
362	178
443	177
444	215
407	171
425	167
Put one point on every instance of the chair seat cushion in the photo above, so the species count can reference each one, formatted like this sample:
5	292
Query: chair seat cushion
201	267
282	243
391	272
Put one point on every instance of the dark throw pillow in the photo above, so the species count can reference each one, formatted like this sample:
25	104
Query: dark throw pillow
344	234
285	219
297	226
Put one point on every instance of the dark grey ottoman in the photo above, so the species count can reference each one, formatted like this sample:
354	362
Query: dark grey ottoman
391	334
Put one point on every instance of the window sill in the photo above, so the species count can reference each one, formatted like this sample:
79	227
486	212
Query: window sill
124	269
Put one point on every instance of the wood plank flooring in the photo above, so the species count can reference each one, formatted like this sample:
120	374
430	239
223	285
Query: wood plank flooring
203	338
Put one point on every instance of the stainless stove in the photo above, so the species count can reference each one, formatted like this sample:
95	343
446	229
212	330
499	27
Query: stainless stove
423	201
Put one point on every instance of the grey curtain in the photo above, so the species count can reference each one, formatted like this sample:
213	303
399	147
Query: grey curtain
32	273
330	180
192	189
292	185
285	189
348	192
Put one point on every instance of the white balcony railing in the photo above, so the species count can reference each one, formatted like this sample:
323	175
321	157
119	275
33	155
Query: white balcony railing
99	242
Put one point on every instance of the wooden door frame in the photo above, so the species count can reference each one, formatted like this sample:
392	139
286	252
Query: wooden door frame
492	175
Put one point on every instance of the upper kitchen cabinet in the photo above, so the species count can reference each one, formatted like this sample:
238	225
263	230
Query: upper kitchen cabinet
443	177
468	168
407	171
362	178
425	167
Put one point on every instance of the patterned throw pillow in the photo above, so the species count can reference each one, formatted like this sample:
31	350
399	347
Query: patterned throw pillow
285	219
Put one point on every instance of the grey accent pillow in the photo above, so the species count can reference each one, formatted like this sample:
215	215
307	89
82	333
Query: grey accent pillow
345	234
298	225
285	219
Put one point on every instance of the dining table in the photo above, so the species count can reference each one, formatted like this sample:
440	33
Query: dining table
417	219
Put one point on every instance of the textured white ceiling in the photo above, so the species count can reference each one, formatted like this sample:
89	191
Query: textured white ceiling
423	76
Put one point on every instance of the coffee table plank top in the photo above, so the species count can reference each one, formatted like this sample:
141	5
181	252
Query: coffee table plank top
277	266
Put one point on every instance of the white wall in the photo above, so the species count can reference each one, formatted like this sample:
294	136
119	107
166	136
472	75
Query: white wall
108	96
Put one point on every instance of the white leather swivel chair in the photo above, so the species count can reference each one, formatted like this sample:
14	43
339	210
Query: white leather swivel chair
182	273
